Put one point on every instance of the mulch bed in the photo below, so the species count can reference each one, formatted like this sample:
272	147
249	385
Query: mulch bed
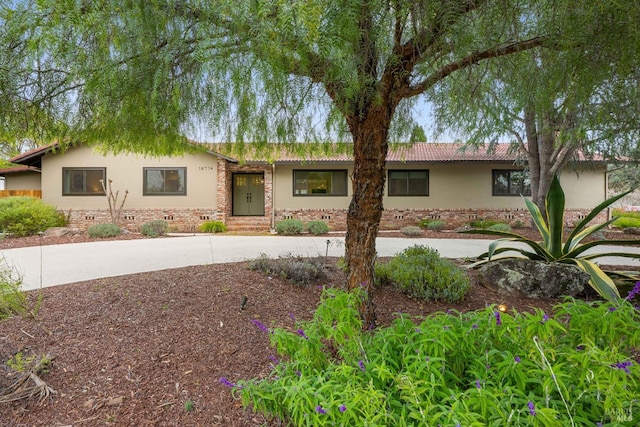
133	350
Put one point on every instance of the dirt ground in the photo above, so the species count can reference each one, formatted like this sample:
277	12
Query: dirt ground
149	349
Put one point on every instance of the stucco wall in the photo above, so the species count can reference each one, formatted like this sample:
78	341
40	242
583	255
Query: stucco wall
126	171
22	181
451	186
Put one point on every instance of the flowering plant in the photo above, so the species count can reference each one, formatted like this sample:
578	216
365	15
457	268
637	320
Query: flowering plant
577	365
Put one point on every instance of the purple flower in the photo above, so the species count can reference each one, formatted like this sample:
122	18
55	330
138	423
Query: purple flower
532	408
320	410
292	316
474	326
635	291
623	365
612	309
298	373
478	385
274	359
361	365
517	359
580	347
342	408
226	382
498	320
545	318
260	325
302	334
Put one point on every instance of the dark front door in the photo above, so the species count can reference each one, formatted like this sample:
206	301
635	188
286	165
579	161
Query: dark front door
248	194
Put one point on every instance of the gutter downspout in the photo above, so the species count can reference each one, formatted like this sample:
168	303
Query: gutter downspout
273	198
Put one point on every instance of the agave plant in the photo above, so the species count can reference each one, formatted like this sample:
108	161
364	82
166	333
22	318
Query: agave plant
553	249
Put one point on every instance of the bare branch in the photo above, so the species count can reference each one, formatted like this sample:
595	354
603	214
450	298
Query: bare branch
472	59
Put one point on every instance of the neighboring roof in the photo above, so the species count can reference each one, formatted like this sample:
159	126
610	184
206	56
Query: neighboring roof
16	169
34	157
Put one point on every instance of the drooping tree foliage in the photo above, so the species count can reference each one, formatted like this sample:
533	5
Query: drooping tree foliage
142	75
580	96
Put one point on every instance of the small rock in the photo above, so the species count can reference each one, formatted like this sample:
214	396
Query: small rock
61	231
115	401
631	230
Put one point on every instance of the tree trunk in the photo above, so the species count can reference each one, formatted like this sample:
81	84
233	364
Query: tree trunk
365	210
544	157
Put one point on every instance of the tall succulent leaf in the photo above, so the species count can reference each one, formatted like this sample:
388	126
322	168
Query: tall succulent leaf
538	220
555	217
599	281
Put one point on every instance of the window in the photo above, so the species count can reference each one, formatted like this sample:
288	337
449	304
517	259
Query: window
511	183
83	181
408	183
164	181
320	182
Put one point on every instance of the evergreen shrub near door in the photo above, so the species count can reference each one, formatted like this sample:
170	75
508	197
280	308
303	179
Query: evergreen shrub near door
317	227
290	227
575	366
213	227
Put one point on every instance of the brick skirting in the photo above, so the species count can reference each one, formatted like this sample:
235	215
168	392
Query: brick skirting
179	219
395	219
189	219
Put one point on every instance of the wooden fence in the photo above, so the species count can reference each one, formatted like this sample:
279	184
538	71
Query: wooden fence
30	193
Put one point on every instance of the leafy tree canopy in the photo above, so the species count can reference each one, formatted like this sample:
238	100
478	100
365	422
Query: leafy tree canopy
141	75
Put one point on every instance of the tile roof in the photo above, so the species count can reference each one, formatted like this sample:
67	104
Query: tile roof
418	152
405	153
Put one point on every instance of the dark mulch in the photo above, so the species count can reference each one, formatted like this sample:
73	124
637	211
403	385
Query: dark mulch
132	350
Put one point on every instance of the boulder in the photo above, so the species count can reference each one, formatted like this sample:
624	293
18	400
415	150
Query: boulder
533	279
61	231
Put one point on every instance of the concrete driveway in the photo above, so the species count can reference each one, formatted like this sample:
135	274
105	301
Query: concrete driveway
44	266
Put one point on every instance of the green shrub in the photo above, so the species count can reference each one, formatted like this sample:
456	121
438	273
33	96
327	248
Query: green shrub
104	230
289	227
625	214
12	300
317	227
483	223
420	272
431	224
499	227
479	368
436	225
424	222
213	227
626	222
155	228
411	231
298	270
518	224
24	216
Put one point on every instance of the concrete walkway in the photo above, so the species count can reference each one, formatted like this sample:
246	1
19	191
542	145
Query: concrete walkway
43	266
